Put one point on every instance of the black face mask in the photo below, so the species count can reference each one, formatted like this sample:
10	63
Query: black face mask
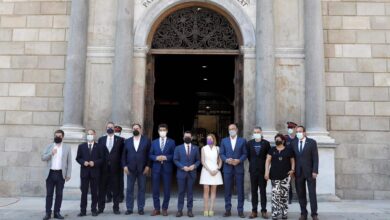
135	132
278	142
57	140
187	140
110	131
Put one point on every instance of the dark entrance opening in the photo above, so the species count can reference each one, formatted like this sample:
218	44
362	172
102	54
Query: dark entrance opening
195	93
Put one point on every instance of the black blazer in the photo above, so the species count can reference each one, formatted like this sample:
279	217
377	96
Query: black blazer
136	161
112	159
306	162
96	156
257	162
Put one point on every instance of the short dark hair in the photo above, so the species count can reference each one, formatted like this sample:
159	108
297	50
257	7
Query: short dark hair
136	124
257	127
188	132
110	123
303	127
233	124
281	136
163	126
59	131
91	130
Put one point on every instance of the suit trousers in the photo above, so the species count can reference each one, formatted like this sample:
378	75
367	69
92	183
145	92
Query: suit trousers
228	180
54	180
166	182
300	184
186	185
258	183
109	182
140	178
86	183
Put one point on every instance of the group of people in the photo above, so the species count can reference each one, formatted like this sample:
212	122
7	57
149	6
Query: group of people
103	162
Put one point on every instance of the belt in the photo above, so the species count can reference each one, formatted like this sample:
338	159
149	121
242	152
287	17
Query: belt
55	170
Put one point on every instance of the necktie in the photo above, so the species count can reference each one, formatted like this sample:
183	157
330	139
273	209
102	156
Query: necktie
162	144
188	150
90	148
300	146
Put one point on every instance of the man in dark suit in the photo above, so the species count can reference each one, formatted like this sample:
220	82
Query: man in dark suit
161	153
306	171
187	160
290	138
136	165
118	132
111	169
257	150
233	153
90	156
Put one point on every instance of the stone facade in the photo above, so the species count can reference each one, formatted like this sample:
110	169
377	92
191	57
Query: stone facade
34	39
358	80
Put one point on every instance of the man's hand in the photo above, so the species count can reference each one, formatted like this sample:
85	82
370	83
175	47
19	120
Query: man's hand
54	151
146	171
67	179
163	157
192	167
158	158
236	162
185	168
229	161
266	176
86	163
314	175
91	164
126	170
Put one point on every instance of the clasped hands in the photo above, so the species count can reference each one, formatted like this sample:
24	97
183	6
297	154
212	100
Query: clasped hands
189	168
161	158
89	163
233	162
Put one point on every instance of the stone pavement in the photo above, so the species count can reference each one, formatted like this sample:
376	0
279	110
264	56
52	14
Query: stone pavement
33	208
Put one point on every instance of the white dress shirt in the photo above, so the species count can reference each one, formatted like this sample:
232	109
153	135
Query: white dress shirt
303	144
56	163
136	143
233	141
110	142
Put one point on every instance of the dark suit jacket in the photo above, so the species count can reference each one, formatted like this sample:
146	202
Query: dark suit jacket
155	151
226	151
96	156
136	161
181	160
112	159
306	162
257	162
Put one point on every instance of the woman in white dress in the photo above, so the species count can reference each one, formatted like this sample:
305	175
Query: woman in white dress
210	176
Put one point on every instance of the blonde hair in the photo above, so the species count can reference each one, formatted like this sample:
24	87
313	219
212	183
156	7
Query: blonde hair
213	137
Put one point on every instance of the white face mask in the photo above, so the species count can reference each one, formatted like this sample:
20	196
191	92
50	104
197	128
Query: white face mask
290	131
162	134
257	136
90	138
117	134
232	133
299	135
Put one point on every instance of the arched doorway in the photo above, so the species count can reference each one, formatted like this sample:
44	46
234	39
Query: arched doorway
194	72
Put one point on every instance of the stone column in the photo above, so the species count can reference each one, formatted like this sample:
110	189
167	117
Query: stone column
123	66
265	75
75	71
315	104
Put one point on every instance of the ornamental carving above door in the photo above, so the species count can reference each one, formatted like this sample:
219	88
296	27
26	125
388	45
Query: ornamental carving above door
195	28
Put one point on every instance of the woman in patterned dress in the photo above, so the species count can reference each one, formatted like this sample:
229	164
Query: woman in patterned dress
281	160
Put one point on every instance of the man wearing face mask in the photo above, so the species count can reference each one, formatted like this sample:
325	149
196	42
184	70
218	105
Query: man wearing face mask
233	153
187	159
58	157
290	138
118	132
306	171
161	153
90	156
136	165
257	150
110	177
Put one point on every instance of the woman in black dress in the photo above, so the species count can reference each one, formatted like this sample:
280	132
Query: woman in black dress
282	163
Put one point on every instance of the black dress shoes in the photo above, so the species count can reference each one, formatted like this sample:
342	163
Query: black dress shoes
58	216
128	212
117	212
179	214
241	215
47	216
227	214
94	214
141	212
190	214
81	214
